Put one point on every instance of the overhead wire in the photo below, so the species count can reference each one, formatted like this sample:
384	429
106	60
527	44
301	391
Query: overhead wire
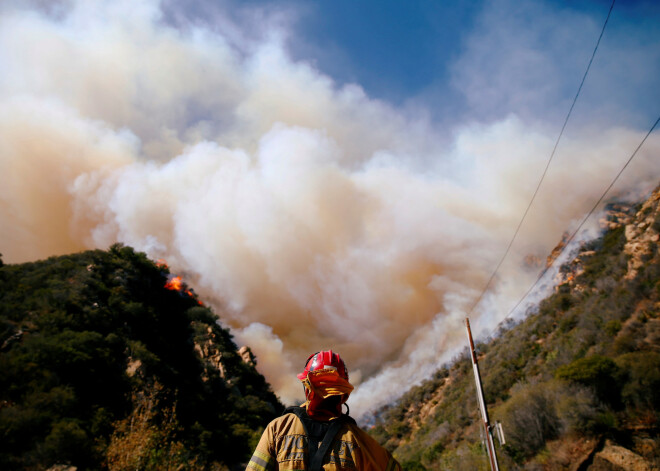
547	165
584	220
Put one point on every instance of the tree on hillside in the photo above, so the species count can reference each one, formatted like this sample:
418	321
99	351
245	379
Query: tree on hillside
86	337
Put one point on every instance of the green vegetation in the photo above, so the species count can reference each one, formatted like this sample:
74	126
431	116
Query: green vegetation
100	367
583	367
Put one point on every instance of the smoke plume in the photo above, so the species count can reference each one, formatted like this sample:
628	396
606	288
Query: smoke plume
308	214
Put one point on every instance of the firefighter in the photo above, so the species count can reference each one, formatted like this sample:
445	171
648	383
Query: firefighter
317	435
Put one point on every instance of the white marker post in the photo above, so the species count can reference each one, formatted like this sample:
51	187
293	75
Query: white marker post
492	456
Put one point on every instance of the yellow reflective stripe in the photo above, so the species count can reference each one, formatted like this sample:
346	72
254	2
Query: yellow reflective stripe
255	466
259	461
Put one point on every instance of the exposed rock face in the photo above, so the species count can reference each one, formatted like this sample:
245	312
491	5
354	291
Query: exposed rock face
642	234
133	367
642	238
208	350
617	458
247	355
616	215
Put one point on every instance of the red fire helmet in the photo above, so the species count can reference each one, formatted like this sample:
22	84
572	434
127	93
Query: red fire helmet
324	360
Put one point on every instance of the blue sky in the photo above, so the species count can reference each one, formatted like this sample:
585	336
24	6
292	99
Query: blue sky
464	60
399	51
394	49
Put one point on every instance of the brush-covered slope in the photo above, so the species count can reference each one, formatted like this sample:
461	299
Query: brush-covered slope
102	367
576	384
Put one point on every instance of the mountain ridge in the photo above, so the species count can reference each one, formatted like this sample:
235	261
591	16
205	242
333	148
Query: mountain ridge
571	382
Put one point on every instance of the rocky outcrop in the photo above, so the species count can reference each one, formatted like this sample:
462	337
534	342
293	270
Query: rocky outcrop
642	234
569	272
617	215
247	355
208	351
616	458
133	367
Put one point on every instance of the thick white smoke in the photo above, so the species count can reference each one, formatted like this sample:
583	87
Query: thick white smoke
309	215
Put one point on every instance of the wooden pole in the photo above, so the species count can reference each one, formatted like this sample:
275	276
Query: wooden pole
492	456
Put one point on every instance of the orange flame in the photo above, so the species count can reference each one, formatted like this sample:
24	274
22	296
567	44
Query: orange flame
162	263
175	284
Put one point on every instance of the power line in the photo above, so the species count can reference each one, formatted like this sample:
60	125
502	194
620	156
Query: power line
570	239
547	165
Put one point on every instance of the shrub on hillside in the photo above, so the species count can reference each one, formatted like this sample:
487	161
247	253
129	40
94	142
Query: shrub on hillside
147	438
539	412
596	372
642	380
529	419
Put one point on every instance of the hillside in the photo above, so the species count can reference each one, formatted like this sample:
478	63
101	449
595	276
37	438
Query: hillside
108	362
575	384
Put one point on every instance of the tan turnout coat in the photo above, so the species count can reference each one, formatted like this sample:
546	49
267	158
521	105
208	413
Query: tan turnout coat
283	446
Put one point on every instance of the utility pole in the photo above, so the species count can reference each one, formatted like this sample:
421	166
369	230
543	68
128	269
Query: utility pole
490	445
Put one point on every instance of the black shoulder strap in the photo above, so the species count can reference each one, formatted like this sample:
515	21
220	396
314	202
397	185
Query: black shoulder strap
293	410
316	463
316	459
